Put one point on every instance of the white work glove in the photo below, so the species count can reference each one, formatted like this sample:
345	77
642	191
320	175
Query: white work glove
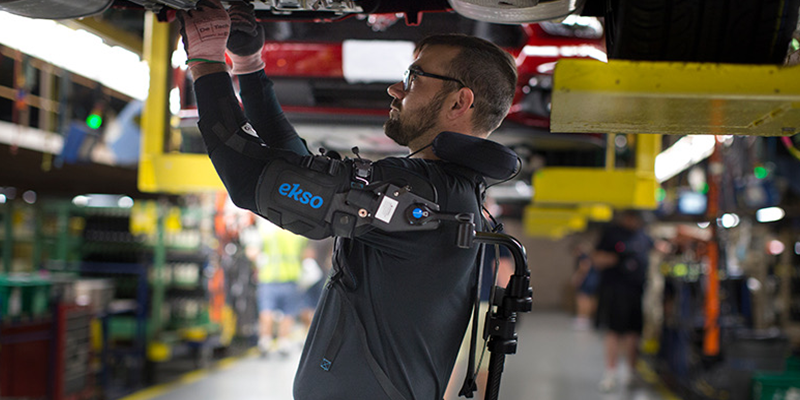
246	39
205	32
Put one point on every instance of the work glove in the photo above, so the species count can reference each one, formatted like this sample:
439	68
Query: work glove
246	39
205	32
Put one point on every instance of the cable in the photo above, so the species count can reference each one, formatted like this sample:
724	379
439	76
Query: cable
787	141
516	174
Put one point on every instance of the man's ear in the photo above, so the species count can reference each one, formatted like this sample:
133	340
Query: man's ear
461	102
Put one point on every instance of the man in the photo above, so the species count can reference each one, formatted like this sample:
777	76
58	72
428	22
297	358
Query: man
390	322
621	256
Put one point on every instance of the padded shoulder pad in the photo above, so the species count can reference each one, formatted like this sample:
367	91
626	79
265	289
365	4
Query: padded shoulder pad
299	197
491	159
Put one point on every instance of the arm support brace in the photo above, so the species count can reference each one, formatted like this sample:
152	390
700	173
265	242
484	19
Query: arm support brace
255	174
314	196
308	195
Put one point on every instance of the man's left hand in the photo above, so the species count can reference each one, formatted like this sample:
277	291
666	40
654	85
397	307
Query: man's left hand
246	39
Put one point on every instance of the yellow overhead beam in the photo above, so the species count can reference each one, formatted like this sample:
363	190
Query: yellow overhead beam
675	98
555	222
620	188
566	198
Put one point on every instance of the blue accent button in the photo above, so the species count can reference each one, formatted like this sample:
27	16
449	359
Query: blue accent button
417	213
326	364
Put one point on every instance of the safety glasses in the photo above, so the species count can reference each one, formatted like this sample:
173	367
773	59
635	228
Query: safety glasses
411	72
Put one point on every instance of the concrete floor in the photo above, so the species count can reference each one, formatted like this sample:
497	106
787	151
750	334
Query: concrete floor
553	362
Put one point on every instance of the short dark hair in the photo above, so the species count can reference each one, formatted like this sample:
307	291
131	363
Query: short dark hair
482	66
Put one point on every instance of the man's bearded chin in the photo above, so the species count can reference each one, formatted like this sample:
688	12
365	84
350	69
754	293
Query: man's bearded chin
394	130
415	125
404	133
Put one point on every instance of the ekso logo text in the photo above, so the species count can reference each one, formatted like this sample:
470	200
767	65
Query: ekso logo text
294	192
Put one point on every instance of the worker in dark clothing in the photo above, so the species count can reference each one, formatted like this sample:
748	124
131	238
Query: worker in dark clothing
622	256
390	322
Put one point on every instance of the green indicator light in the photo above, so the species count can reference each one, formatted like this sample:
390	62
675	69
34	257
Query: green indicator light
704	189
94	121
661	194
760	172
795	45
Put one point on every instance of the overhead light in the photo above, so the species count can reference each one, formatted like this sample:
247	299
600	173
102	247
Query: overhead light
753	284
80	201
770	214
179	56
77	51
2	198
584	51
29	196
175	101
728	221
775	247
10	192
583	21
103	200
375	60
125	202
574	26
686	152
515	11
703	225
621	141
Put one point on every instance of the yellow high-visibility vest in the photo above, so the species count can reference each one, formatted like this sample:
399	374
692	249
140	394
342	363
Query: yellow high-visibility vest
282	256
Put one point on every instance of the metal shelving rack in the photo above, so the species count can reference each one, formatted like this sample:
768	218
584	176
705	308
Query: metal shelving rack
131	356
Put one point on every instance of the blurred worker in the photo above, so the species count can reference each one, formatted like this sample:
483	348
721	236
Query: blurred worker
585	279
622	257
316	268
278	257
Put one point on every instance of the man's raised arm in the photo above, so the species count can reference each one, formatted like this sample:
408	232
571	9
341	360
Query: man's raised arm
261	106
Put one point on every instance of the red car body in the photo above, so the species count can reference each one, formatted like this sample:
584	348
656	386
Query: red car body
536	51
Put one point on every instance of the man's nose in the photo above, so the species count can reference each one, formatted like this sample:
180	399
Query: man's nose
396	91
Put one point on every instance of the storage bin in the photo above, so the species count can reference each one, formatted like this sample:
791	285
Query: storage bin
772	386
24	295
793	364
750	352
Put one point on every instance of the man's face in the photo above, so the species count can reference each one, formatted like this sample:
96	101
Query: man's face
405	127
415	112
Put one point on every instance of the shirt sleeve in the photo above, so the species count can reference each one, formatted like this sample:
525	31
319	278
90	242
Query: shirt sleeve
242	160
262	109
